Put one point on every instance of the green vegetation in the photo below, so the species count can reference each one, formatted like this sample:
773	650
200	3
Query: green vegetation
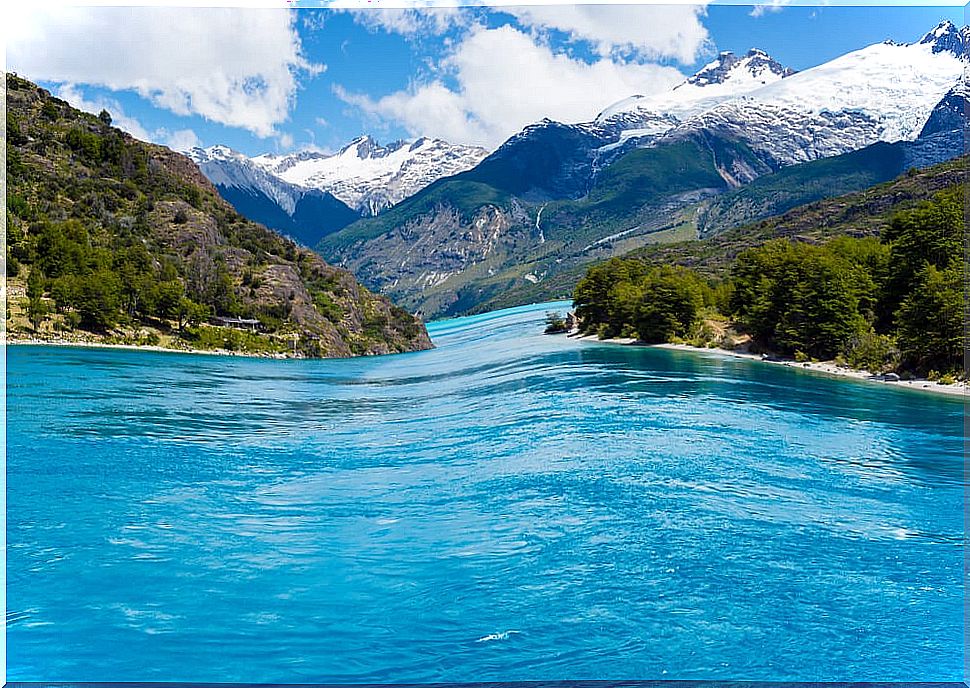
555	323
109	238
890	304
627	298
649	173
773	194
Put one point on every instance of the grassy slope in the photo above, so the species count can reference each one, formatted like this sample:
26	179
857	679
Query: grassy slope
863	213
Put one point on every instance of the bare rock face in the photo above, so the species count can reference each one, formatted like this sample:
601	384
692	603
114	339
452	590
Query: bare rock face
427	260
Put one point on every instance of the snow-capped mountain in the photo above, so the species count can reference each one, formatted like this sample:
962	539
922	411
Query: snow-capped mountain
884	92
226	168
308	195
557	195
304	214
369	177
728	76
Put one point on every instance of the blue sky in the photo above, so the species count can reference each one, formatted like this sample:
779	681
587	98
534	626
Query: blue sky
279	80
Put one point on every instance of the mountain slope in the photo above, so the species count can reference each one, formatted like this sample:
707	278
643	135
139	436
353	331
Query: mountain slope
305	215
863	213
112	238
437	251
811	181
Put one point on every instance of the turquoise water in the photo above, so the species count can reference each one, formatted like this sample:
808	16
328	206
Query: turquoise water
508	506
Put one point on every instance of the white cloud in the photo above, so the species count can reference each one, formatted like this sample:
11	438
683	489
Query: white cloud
505	81
647	31
410	22
238	67
769	6
181	140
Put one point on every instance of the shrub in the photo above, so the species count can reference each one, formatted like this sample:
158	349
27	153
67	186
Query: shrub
876	353
555	323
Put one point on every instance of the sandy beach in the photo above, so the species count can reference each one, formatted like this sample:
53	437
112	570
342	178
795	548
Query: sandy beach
821	367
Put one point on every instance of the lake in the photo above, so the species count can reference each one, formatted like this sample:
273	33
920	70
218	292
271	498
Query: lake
509	506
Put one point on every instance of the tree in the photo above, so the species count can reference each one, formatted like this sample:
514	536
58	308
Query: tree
799	297
63	248
105	117
169	297
139	283
191	313
86	143
753	300
36	312
931	321
98	299
36	308
670	303
594	293
624	300
819	313
95	297
555	323
35	283
931	233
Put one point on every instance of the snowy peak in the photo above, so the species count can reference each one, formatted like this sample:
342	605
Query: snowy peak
230	169
728	76
201	156
364	147
946	37
364	174
883	92
756	65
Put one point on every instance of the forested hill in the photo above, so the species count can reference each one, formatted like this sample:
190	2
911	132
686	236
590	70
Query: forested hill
873	280
117	240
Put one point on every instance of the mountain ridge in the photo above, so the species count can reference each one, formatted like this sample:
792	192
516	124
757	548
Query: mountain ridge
556	194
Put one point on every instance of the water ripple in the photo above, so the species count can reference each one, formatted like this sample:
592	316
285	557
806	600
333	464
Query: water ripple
507	506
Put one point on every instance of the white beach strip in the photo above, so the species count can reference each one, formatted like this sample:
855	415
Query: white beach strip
822	367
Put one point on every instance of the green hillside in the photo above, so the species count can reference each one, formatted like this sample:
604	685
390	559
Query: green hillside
110	239
872	279
798	185
863	213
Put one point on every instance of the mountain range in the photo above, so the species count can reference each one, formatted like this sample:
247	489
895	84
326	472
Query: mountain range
742	139
310	194
662	168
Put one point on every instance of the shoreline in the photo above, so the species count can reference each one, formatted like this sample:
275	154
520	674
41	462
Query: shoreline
146	347
822	367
